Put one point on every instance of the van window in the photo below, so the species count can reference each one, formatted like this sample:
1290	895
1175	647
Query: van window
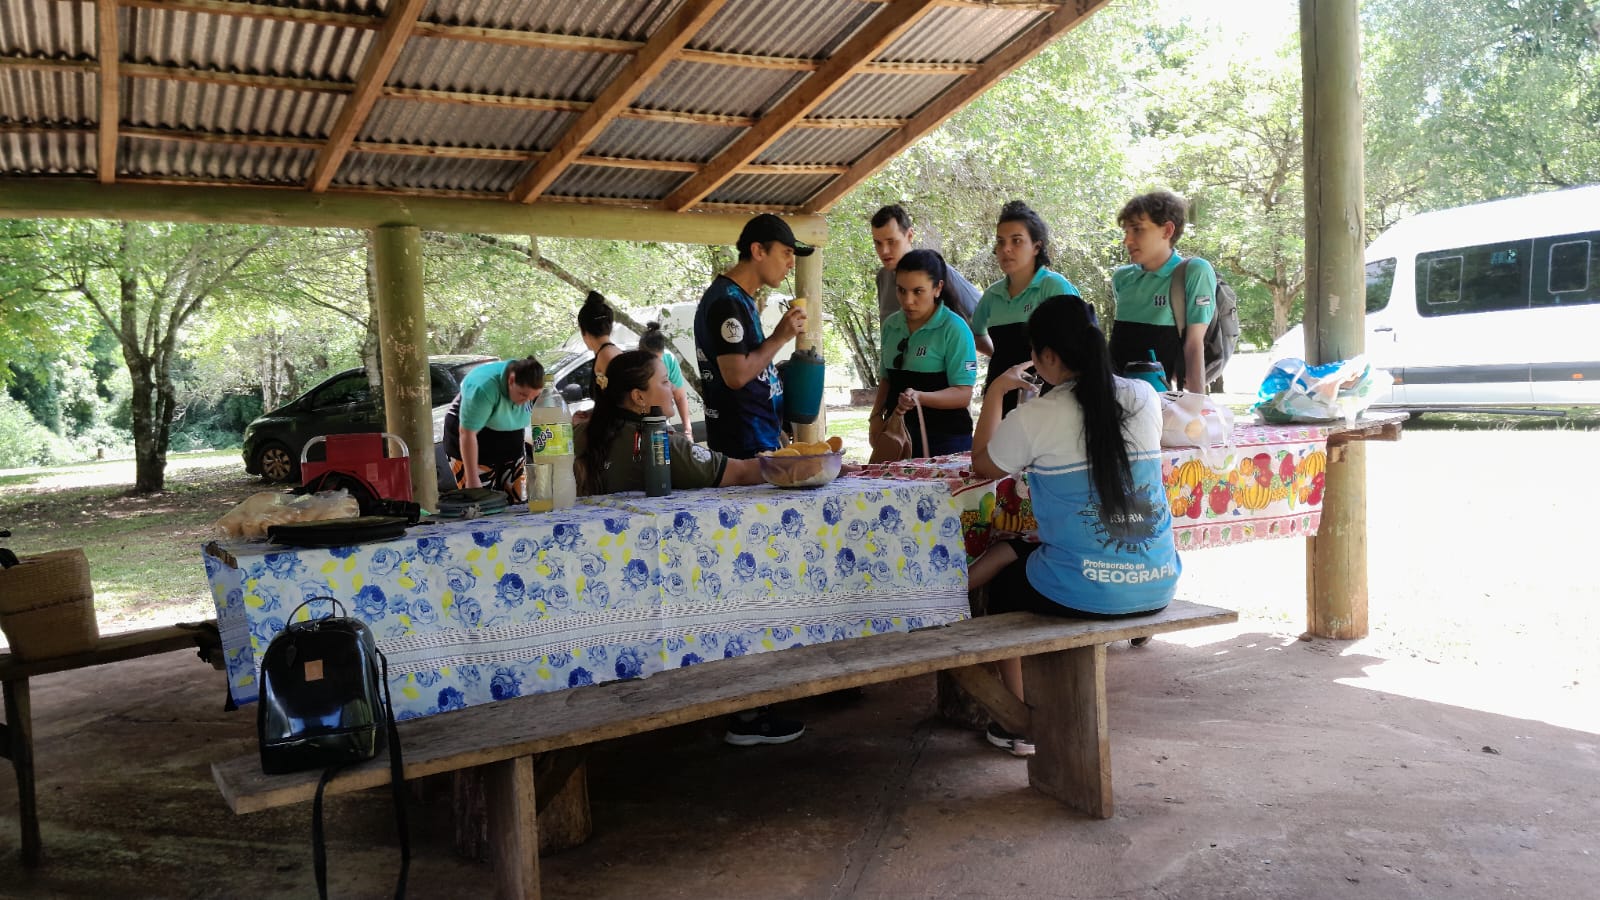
1380	283
1570	270
582	376
1474	279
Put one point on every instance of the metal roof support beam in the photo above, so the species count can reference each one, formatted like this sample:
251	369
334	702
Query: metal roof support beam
879	32
78	198
1064	19
108	46
658	51
375	71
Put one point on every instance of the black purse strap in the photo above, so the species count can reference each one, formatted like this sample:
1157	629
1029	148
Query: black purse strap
397	784
289	619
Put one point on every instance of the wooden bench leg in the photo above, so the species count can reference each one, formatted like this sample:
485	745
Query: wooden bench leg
16	744
1067	693
560	782
513	827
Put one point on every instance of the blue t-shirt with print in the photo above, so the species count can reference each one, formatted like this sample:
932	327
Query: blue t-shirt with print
740	422
1088	560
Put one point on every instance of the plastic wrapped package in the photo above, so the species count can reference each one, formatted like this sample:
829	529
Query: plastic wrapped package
251	518
1293	391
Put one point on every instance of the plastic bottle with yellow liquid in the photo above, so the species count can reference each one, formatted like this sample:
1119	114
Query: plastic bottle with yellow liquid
551	483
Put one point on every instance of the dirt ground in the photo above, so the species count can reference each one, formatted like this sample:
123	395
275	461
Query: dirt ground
1453	753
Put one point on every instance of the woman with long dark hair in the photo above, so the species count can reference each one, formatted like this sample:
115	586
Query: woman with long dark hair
927	359
610	445
999	324
654	340
594	325
1092	451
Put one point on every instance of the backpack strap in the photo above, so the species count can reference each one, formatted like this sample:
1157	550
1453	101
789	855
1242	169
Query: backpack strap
397	783
1177	300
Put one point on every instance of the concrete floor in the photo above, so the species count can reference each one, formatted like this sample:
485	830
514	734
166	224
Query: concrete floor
1246	764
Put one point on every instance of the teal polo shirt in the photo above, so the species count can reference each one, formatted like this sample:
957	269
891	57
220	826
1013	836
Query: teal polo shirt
1145	296
997	307
942	345
486	402
674	372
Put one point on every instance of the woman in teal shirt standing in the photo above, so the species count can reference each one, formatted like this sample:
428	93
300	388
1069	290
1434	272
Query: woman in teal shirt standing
1000	323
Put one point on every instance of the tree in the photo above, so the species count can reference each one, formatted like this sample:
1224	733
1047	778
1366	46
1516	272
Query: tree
145	282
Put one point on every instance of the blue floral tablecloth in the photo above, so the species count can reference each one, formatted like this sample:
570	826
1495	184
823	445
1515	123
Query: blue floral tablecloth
749	569
473	611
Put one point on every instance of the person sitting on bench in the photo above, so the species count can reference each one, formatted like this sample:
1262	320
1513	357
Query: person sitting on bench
1093	455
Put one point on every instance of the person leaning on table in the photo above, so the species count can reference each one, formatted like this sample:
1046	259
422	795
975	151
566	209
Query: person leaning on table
1092	451
485	427
610	449
610	458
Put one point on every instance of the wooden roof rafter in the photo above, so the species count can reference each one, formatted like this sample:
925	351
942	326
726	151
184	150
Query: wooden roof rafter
631	81
889	23
375	71
1064	18
108	47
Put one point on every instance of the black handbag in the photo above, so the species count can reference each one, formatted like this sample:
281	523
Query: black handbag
325	704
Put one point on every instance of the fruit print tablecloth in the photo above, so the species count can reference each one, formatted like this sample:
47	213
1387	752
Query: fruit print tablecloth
1269	486
473	611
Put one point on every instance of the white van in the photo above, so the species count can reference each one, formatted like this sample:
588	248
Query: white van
1492	305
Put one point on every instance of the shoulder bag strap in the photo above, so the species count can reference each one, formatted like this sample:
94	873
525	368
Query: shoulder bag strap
1175	296
397	782
922	424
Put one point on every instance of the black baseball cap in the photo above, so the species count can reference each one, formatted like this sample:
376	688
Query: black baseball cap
766	228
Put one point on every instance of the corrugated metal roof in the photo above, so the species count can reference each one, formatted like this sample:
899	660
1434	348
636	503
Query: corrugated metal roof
228	109
224	43
422	173
448	65
639	139
777	190
47	28
890	96
808	30
823	146
451	125
40	153
243	70
959	34
612	183
628	20
212	162
717	90
59	97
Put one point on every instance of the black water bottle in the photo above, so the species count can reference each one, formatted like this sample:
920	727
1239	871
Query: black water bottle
657	455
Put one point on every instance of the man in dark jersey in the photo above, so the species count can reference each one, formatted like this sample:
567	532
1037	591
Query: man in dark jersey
744	399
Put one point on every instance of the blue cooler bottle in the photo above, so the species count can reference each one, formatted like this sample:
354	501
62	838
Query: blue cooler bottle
1149	371
802	386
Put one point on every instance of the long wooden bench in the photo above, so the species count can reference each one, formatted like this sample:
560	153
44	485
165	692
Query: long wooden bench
16	732
1064	672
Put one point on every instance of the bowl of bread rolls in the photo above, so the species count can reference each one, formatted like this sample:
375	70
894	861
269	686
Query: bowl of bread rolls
803	465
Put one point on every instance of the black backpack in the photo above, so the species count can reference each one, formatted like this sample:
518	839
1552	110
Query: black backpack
325	704
1222	335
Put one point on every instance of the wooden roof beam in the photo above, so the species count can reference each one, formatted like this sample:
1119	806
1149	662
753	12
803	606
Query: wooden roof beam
1002	63
256	11
375	71
108	46
879	32
657	52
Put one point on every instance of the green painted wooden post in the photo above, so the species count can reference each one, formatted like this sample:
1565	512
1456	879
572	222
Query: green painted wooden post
1330	53
403	349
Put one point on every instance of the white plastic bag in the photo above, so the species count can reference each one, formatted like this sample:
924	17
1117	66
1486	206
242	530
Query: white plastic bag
1189	419
1296	392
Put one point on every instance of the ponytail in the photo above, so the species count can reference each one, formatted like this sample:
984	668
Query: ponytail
1066	326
